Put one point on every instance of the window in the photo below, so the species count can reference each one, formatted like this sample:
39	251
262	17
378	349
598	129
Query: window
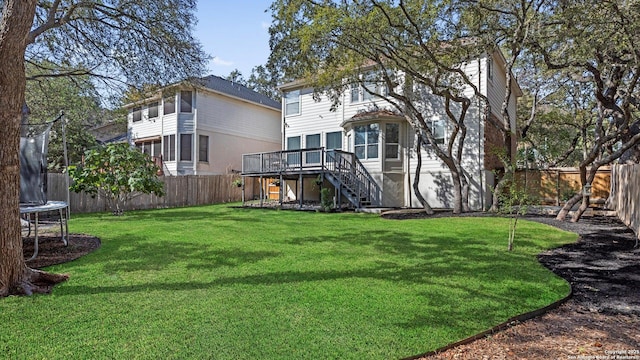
137	113
489	68
371	85
153	110
438	130
355	93
292	103
156	148
334	140
185	147
366	141
293	143
146	148
186	101
169	105
169	153
391	141
313	141
203	148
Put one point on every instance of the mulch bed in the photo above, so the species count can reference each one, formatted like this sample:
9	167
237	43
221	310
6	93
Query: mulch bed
52	251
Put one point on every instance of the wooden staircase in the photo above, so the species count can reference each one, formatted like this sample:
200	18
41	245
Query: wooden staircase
344	171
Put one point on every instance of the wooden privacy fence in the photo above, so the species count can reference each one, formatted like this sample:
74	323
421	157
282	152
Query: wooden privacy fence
555	186
625	195
180	191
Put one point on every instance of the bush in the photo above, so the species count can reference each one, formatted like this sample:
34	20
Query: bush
117	172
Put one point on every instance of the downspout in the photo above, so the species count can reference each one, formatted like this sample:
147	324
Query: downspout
196	140
480	167
408	198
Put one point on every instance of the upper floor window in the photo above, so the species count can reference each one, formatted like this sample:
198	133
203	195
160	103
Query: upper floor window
365	91
366	141
136	113
169	105
438	129
392	141
489	68
186	101
153	110
292	103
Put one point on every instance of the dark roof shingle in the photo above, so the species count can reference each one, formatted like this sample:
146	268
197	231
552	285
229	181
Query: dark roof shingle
224	86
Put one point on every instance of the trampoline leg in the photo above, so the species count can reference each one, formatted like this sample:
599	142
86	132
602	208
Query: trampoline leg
64	235
35	241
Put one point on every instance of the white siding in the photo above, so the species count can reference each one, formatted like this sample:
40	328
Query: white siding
235	117
234	128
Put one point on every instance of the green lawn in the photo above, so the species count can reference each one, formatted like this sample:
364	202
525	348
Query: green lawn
227	283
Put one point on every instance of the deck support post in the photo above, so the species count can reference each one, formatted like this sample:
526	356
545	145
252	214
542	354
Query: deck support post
300	179
261	192
281	190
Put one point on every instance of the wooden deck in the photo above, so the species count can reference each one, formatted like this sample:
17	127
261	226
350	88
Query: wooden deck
342	169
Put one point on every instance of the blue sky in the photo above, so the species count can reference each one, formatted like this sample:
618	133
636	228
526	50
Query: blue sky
235	33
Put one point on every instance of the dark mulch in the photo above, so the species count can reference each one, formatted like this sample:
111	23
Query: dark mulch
603	315
52	251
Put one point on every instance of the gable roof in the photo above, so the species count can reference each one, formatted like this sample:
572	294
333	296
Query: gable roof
223	86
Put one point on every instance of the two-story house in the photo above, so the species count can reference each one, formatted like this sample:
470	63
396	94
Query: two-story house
203	127
365	149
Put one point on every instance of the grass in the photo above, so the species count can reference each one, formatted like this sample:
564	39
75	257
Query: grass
225	283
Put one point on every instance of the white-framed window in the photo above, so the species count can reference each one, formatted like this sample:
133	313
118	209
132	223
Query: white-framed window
153	110
366	141
169	105
186	146
312	141
392	141
489	68
365	91
169	147
136	113
292	103
203	148
333	140
293	143
186	101
439	130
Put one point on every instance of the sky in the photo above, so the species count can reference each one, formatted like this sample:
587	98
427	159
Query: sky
235	33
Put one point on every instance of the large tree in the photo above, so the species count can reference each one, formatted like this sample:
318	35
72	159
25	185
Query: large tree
406	47
47	96
601	54
118	42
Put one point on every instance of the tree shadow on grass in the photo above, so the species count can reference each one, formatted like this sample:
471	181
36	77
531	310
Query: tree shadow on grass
438	261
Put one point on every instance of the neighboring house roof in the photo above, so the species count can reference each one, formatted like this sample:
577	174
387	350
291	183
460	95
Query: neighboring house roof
116	139
237	90
225	87
110	132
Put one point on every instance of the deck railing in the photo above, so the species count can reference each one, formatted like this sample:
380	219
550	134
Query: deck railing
344	167
283	161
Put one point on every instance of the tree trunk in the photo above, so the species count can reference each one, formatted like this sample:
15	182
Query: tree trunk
583	207
416	179
567	206
15	277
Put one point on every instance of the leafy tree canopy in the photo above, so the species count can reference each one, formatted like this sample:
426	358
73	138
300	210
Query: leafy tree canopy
117	173
130	42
